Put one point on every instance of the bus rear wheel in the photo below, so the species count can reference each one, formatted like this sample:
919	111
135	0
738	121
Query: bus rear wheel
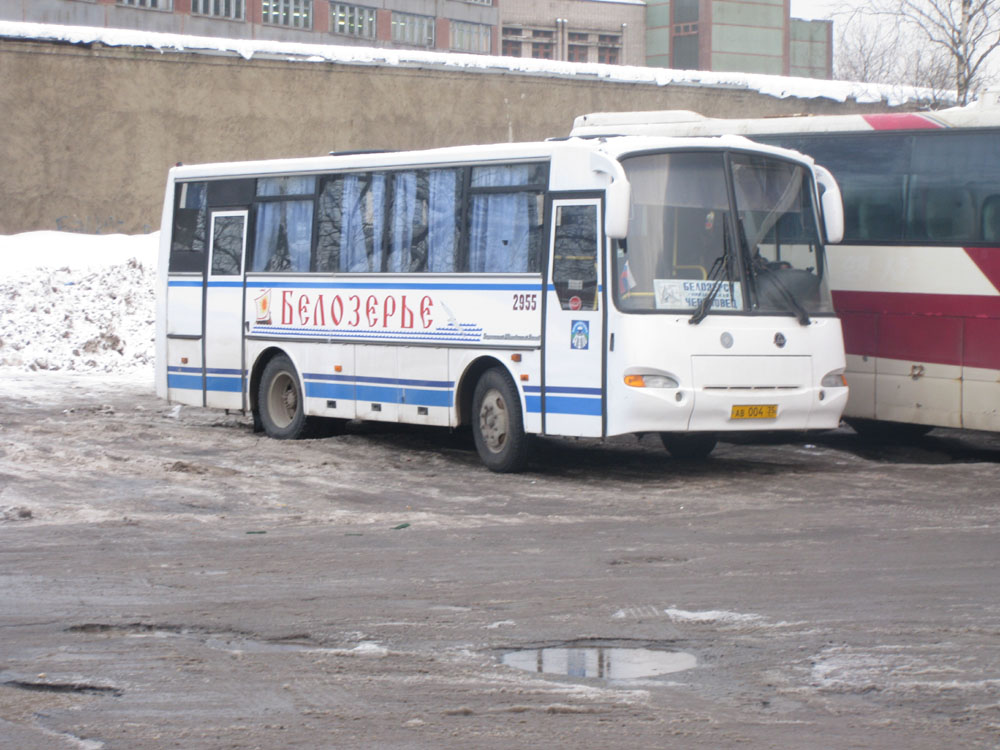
497	423
689	446
281	401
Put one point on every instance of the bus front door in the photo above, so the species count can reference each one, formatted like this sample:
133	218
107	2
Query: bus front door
223	340
572	400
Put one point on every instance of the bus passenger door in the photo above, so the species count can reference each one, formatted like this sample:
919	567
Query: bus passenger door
223	339
572	400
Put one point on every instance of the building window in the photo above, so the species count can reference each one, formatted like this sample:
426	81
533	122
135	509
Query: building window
151	4
233	9
415	30
480	2
352	20
471	37
294	13
609	49
577	53
543	50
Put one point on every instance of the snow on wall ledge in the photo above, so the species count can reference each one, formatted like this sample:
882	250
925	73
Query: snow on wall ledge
780	87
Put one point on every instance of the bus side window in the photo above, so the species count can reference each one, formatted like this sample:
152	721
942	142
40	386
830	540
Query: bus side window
425	214
187	243
505	218
574	261
283	236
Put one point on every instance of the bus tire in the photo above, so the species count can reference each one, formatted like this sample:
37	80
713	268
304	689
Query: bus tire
689	446
497	423
281	401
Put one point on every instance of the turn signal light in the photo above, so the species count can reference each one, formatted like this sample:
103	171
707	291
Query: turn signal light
651	381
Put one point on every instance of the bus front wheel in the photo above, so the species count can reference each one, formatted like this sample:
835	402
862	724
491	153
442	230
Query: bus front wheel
281	402
497	423
689	446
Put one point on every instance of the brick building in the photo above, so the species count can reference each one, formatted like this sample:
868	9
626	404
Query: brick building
589	31
749	36
444	25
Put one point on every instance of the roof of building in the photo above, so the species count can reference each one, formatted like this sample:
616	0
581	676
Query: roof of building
777	86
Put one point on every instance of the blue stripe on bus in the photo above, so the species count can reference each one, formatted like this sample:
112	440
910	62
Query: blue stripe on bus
184	369
435	287
379	394
184	283
590	407
380	381
186	382
228	385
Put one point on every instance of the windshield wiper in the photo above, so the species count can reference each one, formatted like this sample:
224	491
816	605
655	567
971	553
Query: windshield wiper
722	262
800	312
761	271
703	307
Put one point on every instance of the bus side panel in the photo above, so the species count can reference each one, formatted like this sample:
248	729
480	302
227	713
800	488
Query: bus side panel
981	375
377	387
328	375
427	394
924	390
183	340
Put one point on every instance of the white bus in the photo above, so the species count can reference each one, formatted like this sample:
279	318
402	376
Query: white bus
565	288
916	280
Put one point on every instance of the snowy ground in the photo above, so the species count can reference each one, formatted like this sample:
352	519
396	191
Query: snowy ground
170	579
78	302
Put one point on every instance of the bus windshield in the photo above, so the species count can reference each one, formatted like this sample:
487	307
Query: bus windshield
687	250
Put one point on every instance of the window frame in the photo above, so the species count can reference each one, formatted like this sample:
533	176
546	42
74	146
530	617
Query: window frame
238	12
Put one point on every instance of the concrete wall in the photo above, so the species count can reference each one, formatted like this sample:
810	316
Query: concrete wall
90	131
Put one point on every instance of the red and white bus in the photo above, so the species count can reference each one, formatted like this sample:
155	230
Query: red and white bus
916	280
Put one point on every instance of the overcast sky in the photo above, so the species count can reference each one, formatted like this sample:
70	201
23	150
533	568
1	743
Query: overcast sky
815	8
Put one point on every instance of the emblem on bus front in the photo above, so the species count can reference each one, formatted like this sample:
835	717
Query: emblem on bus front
779	340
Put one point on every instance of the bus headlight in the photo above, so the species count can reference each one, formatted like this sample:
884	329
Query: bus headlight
834	379
651	380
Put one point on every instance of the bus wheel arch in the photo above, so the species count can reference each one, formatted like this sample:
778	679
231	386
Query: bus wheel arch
466	389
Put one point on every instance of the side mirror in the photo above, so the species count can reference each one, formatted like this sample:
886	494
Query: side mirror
617	197
832	206
618	206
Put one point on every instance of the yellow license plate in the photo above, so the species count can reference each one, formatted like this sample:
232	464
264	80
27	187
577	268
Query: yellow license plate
759	411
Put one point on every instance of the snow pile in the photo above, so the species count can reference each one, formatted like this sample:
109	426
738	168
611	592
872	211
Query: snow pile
77	302
777	86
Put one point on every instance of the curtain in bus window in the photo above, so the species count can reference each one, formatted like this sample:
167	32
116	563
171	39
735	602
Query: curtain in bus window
504	229
363	223
443	220
408	211
284	236
507	175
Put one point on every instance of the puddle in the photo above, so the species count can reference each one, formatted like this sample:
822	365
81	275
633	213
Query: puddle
600	662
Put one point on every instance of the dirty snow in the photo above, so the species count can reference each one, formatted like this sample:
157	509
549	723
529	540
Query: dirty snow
77	302
777	86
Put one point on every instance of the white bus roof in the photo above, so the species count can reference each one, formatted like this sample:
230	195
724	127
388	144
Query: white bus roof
613	148
980	114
